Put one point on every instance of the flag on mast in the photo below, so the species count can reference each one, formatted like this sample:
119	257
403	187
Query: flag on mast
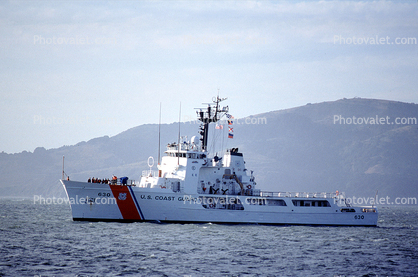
230	122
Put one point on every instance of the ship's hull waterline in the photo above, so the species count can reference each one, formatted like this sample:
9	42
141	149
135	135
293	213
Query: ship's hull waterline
105	202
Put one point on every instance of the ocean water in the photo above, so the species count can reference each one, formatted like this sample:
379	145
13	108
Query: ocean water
42	240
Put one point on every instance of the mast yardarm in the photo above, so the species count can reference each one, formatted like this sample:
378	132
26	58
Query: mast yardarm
213	113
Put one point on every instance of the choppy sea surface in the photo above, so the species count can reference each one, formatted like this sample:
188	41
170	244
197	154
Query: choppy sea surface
42	240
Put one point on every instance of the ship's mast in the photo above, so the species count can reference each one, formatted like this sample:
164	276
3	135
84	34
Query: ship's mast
212	114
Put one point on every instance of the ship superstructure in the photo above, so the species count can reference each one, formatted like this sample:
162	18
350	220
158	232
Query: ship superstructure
190	185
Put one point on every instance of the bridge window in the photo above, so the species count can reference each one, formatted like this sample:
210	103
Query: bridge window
311	203
265	201
276	202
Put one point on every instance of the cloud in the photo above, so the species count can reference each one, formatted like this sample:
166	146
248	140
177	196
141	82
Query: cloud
265	55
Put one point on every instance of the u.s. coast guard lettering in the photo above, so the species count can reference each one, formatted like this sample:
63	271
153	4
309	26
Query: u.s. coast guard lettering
166	198
158	197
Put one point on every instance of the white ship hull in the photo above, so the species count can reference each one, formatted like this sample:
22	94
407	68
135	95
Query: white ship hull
194	185
104	202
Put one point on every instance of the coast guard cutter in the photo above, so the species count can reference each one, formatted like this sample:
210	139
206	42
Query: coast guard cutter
191	185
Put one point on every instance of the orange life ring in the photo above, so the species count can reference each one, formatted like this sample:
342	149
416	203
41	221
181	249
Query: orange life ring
249	187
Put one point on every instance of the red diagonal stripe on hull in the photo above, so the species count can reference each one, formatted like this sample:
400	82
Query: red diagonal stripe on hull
125	202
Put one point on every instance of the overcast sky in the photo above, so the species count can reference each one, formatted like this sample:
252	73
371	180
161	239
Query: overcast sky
71	71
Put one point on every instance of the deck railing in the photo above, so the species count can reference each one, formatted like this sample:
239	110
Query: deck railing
117	182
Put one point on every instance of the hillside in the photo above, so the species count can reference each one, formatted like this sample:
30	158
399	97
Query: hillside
306	148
